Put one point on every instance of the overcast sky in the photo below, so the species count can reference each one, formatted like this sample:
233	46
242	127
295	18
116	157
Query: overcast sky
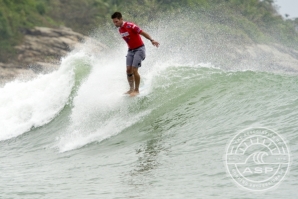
289	7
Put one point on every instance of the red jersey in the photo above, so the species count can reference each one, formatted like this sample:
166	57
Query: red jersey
130	32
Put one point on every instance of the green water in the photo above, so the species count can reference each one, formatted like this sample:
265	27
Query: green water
168	143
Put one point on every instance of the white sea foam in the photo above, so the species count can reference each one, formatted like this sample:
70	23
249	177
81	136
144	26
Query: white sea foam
100	110
24	105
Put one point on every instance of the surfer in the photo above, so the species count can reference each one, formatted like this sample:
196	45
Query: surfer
130	32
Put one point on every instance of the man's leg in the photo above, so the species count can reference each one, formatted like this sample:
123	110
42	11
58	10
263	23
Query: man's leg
138	56
130	79
137	79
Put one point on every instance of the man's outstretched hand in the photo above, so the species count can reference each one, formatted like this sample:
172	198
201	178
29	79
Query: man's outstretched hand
155	43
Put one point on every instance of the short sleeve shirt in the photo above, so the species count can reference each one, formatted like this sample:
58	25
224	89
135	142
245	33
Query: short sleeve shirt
130	32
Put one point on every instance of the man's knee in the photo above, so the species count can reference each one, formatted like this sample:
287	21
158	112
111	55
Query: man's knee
129	70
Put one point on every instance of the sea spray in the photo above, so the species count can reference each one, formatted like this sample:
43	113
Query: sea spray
29	104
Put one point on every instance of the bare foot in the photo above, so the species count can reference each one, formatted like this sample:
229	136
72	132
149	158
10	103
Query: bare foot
129	92
134	93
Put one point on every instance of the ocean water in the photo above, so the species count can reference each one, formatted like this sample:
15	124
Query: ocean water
72	133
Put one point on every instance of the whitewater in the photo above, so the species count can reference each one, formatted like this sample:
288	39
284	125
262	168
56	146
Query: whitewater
71	133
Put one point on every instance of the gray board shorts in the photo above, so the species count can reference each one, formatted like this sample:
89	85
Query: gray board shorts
135	57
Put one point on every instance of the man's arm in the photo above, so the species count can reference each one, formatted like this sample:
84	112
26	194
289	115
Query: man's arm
147	36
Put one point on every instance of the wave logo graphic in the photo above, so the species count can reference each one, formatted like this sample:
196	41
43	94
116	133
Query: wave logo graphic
257	159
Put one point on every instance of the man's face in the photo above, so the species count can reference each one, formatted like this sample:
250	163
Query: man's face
118	22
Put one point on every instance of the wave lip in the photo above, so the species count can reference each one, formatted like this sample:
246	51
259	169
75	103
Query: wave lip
26	105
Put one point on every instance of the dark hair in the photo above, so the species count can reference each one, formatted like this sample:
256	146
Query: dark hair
117	15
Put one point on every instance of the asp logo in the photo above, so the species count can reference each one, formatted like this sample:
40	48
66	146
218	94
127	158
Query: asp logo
257	159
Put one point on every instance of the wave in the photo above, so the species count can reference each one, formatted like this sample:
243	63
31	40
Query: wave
25	105
100	111
92	84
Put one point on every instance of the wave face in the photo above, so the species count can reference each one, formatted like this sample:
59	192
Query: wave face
73	129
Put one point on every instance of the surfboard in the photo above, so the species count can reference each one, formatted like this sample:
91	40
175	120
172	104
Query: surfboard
143	91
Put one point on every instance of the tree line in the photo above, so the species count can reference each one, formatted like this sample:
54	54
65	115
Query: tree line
85	15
